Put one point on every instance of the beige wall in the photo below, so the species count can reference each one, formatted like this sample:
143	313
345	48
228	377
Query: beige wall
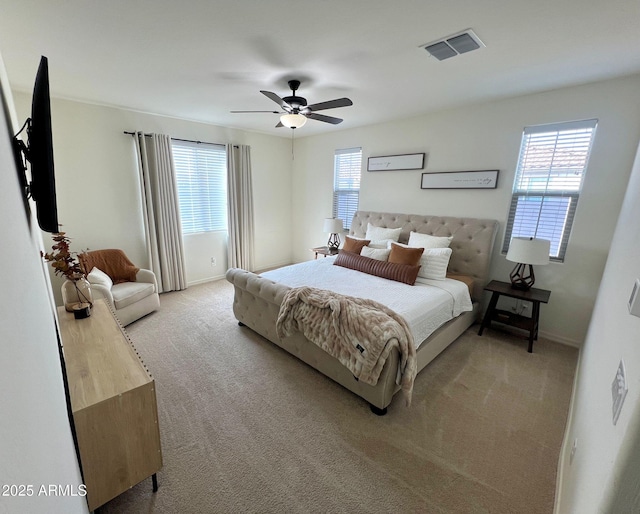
487	136
98	189
604	475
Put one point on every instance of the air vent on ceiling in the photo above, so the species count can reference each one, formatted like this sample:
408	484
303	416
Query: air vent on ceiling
455	44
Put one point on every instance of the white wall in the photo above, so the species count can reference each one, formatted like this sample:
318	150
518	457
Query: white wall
36	446
487	136
604	475
98	188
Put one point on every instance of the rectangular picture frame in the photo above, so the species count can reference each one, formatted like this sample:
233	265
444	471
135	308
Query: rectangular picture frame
481	179
410	161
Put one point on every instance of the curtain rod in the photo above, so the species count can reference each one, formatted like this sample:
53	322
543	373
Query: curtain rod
184	140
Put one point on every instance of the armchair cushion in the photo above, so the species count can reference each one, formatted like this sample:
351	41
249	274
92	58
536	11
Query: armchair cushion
127	293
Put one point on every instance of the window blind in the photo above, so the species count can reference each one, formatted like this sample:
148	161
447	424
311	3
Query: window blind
549	176
201	176
346	185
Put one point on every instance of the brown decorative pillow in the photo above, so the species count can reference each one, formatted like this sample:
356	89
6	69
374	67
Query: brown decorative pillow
403	255
384	269
351	244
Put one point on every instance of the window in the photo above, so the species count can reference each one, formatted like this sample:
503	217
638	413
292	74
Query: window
346	184
551	167
201	176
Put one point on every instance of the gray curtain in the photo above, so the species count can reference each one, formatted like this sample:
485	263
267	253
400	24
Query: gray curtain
160	210
240	207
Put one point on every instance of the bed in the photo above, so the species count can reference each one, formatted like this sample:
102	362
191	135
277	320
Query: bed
258	298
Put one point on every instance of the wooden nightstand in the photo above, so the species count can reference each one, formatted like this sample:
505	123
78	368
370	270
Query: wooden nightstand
533	295
324	250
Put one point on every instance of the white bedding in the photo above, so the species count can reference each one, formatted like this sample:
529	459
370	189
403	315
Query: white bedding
425	306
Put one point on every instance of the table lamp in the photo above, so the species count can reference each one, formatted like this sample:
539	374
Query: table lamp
526	251
333	226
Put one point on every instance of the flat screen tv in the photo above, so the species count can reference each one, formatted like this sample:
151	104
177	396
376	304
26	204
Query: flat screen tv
39	152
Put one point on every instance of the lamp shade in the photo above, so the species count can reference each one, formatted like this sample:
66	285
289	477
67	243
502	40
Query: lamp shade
333	225
293	120
529	250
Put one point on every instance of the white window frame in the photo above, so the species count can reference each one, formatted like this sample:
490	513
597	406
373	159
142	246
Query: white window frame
551	168
347	165
201	180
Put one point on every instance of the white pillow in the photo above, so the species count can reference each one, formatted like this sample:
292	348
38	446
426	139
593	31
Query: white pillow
381	237
380	254
434	263
418	240
97	276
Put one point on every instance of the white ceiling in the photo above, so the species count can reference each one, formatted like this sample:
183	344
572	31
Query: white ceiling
200	59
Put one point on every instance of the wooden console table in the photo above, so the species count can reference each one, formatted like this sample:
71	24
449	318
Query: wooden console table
113	400
533	295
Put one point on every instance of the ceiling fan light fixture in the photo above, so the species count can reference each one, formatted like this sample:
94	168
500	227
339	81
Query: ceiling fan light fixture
296	111
293	120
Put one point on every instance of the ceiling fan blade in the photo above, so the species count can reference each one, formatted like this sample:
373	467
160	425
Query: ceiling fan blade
322	117
272	112
331	104
276	99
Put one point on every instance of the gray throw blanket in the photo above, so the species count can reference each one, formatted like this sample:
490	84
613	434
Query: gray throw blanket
358	332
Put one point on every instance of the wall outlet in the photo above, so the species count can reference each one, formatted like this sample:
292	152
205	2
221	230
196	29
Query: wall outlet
618	391
520	307
213	261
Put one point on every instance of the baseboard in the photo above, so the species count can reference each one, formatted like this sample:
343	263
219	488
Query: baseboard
560	339
205	280
272	267
220	277
545	335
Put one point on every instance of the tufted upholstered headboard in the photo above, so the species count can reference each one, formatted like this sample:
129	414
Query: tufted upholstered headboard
472	243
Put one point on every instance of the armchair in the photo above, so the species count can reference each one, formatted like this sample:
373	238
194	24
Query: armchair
132	292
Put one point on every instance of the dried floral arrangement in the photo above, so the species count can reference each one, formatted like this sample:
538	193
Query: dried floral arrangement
62	259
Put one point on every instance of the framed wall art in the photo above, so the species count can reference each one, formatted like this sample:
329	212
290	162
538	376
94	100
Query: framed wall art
411	161
484	179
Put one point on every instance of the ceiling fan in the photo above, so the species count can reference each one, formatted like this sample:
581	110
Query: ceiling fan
295	110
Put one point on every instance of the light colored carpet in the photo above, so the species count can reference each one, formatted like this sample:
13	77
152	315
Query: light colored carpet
245	427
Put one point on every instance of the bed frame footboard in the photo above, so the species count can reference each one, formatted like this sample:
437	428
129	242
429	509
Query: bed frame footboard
256	304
